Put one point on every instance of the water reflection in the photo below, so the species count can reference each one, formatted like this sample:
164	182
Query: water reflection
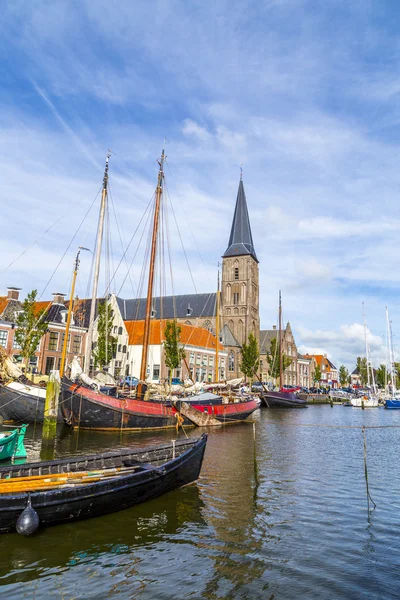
70	545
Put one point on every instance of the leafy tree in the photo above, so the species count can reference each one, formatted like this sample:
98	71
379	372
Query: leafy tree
317	374
397	374
274	360
362	369
31	327
343	375
250	357
174	353
381	376
106	343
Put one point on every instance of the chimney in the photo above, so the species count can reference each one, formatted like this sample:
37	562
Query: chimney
59	298
13	293
274	327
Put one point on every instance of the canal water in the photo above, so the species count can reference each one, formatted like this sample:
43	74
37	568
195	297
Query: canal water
280	515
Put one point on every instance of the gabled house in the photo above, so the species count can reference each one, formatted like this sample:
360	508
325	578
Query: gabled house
329	373
290	375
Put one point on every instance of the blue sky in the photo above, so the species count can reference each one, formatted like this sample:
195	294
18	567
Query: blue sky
303	93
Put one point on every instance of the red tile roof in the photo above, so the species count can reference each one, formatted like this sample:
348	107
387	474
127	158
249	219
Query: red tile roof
190	335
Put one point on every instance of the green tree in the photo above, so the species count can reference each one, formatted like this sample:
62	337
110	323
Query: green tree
381	376
106	343
343	375
250	357
362	369
31	327
317	374
174	353
274	361
397	374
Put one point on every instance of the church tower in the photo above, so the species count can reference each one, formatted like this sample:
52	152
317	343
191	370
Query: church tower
240	286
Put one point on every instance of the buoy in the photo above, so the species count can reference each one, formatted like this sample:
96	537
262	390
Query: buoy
28	520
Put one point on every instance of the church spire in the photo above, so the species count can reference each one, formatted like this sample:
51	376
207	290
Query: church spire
241	240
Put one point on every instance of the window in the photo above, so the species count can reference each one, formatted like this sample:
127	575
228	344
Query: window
123	349
119	347
16	346
62	341
204	359
235	298
289	350
76	345
191	358
197	374
211	361
207	325
156	371
231	361
53	341
198	359
189	310
236	272
119	330
3	338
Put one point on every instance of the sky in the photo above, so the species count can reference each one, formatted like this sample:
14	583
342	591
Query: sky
303	94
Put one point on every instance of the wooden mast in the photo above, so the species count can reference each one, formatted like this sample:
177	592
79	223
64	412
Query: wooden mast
217	332
147	322
280	343
71	300
99	243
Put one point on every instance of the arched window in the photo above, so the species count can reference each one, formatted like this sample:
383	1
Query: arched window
235	311
240	331
243	291
228	293
243	310
187	323
119	330
231	361
124	349
231	326
207	325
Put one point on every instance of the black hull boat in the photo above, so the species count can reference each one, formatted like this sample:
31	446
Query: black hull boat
89	409
282	400
129	477
23	403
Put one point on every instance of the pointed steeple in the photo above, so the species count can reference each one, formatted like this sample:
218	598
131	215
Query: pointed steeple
241	240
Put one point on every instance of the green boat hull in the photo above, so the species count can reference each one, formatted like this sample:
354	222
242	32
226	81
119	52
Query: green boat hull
12	444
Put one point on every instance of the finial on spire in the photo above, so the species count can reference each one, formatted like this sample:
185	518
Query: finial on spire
241	171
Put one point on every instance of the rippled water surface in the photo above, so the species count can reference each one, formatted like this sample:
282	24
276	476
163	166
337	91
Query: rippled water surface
282	515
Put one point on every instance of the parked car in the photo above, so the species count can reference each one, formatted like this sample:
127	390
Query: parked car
176	381
257	386
130	381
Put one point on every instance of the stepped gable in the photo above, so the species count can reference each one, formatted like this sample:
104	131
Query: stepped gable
266	336
187	306
241	239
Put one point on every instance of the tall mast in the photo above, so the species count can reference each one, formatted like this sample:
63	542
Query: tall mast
366	345
146	336
71	300
217	331
99	243
280	343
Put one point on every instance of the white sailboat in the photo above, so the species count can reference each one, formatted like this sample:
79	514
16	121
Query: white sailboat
392	399
369	399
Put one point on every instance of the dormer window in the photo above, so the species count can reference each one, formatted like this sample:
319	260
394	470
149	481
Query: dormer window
189	310
153	313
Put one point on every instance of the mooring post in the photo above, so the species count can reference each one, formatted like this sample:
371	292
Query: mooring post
51	407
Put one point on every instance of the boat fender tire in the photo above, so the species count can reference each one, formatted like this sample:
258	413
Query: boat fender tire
28	520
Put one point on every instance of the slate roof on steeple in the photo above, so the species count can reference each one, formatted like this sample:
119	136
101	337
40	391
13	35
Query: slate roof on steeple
241	240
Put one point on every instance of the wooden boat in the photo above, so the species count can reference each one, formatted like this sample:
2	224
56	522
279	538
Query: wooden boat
282	400
23	403
12	444
83	406
70	489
